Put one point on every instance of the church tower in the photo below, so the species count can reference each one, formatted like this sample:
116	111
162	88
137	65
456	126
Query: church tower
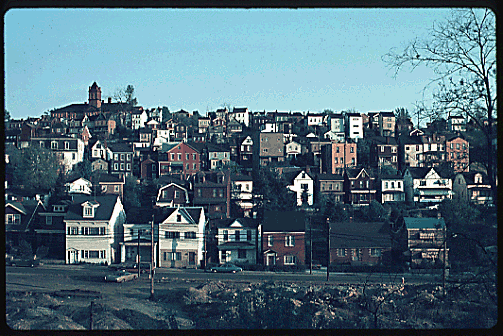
95	95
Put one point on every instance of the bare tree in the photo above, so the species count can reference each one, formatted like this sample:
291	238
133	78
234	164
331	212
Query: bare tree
462	53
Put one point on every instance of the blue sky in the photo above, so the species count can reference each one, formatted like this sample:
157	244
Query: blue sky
199	59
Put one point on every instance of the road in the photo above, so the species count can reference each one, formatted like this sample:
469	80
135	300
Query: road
48	278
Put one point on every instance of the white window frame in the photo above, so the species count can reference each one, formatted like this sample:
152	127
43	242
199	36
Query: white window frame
289	260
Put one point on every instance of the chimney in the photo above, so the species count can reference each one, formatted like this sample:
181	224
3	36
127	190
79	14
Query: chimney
109	100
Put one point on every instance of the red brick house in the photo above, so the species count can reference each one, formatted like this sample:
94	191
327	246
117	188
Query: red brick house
282	236
179	159
212	191
365	243
458	153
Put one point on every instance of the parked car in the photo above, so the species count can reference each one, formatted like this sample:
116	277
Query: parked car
120	276
226	268
24	262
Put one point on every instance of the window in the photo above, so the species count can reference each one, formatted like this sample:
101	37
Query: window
226	235
54	145
129	157
398	184
417	148
337	149
341	252
237	235
352	161
172	235
352	150
289	260
116	188
375	252
102	231
172	157
13	218
270	240
422	183
67	145
457	146
386	185
248	235
116	166
186	156
187	166
194	156
172	256
116	157
393	185
122	166
178	218
214	192
382	148
289	240
426	235
103	254
179	156
452	155
88	211
241	254
194	166
93	254
190	235
128	166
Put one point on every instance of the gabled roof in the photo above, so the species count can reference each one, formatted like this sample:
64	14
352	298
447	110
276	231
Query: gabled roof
354	173
424	223
28	210
245	223
418	172
99	177
283	221
359	235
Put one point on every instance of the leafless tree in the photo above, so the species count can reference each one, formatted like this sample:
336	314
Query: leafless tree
462	52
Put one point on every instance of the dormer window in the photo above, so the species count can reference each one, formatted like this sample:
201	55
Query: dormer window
89	209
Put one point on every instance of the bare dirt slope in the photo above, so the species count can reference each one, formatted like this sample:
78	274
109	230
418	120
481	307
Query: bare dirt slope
218	305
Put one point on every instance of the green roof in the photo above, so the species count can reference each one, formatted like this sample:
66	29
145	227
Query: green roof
424	223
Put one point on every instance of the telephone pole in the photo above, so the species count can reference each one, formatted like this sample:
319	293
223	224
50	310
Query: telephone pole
328	249
138	233
152	260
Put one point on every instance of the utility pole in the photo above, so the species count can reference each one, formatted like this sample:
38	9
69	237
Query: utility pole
328	249
138	254
152	260
310	248
91	316
443	272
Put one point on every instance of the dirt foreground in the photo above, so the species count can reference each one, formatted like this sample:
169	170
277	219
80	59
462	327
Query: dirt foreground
268	305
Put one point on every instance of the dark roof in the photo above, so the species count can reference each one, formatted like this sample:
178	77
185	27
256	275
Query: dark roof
387	114
236	177
283	221
102	212
409	140
104	177
330	177
120	147
384	140
418	172
391	177
239	109
359	235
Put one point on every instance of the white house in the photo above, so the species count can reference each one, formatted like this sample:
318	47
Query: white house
79	186
181	237
241	115
242	193
237	240
314	119
138	119
426	185
99	151
303	186
354	125
392	189
93	229
292	149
